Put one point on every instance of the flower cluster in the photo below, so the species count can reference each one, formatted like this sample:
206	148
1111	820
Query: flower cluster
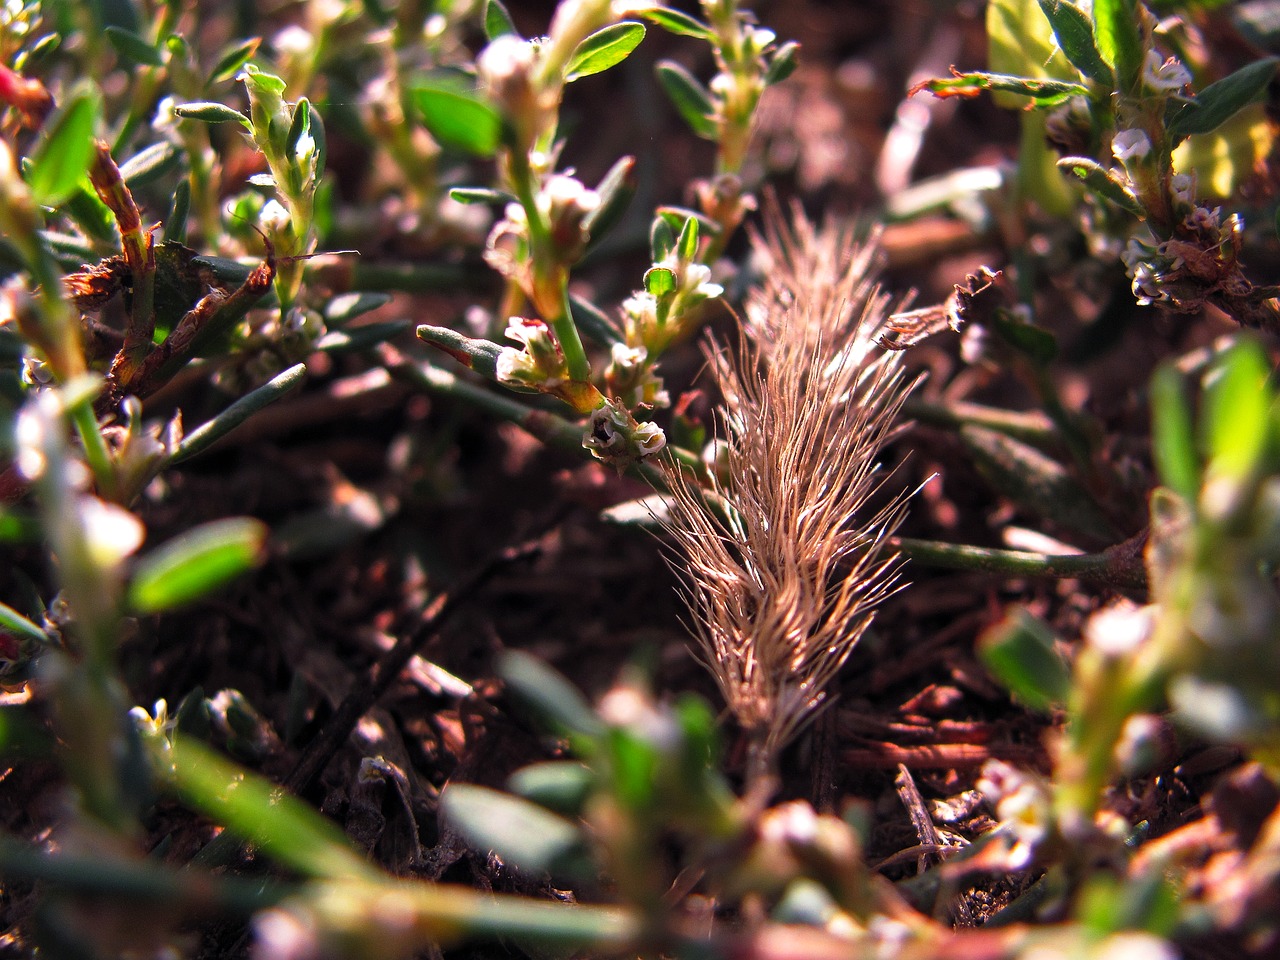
614	436
539	364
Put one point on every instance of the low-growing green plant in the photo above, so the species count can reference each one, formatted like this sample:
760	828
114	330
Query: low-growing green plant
166	201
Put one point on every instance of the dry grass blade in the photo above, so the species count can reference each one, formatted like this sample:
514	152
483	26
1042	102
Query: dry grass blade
784	577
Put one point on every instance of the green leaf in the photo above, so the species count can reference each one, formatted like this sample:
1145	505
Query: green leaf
234	56
659	281
662	238
283	827
1172	438
345	307
1236	416
1043	93
1103	182
209	111
691	99
150	164
677	22
526	836
783	63
480	195
549	695
1118	31
592	322
1020	652
298	126
687	244
1020	43
458	119
478	355
1219	102
497	20
559	785
18	625
195	563
615	190
91	215
62	156
603	49
133	48
1074	31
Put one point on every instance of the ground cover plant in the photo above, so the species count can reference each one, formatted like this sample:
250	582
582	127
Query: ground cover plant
609	479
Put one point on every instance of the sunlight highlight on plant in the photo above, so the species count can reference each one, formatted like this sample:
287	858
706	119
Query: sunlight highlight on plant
786	553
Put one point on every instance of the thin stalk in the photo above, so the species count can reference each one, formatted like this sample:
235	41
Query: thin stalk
1119	566
96	452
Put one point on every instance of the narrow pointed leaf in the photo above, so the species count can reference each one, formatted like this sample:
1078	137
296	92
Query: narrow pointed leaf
691	98
133	48
497	20
480	355
196	563
62	156
18	625
603	49
1220	101
1043	93
522	834
1172	437
1118	32
1102	182
233	58
677	22
550	696
208	111
150	164
616	189
1074	32
783	63
687	244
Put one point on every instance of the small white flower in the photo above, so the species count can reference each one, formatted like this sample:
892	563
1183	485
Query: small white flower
1183	187
1164	75
1130	145
111	532
506	59
649	439
626	357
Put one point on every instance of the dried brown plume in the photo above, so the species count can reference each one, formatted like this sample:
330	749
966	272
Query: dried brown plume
783	560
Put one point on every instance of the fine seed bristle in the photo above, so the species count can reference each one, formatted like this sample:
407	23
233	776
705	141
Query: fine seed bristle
783	559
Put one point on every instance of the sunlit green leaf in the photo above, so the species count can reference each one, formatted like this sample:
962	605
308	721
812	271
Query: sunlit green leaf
677	22
497	20
1102	182
282	827
208	111
234	56
659	281
1019	651
62	156
458	119
1118	30
1020	43
603	49
523	834
1074	32
1237	406
687	244
196	563
1172	437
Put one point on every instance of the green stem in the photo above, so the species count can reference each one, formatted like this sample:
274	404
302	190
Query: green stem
1119	566
96	452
